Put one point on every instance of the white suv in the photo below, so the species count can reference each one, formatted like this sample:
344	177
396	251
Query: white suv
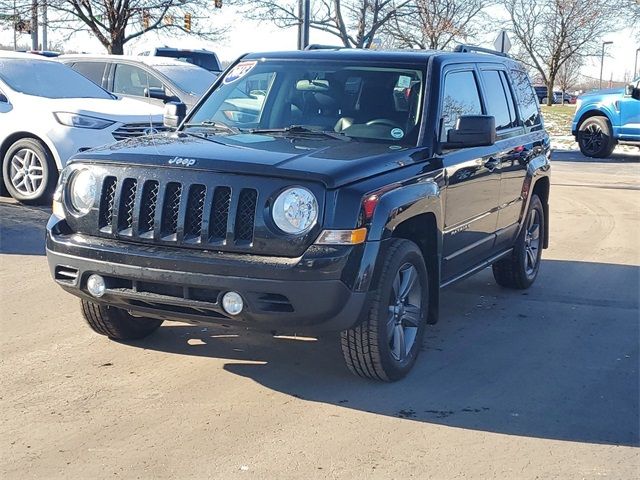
48	113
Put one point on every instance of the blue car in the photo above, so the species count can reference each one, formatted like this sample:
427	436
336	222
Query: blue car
605	118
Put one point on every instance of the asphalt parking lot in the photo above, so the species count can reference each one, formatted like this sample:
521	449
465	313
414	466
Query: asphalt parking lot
536	384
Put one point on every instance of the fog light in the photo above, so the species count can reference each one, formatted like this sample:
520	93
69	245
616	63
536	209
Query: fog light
232	303
96	285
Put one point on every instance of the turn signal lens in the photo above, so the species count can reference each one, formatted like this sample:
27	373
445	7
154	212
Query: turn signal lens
342	237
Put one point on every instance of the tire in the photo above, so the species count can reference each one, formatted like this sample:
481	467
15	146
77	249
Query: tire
374	349
117	323
594	137
521	268
29	172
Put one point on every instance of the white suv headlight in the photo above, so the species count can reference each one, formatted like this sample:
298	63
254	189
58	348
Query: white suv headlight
81	121
83	191
295	210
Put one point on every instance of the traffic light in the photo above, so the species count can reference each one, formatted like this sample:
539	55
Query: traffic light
187	22
218	3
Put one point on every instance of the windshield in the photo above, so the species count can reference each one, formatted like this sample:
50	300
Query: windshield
359	100
190	79
205	60
48	79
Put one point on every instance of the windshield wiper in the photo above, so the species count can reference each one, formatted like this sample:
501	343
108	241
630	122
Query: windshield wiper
300	130
211	125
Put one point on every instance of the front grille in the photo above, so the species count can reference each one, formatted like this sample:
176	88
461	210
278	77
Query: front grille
176	213
131	130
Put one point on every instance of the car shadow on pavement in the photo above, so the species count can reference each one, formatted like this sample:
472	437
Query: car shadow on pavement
559	361
22	228
566	155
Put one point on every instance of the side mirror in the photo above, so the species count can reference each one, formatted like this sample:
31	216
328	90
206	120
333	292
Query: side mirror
155	92
174	114
632	91
472	131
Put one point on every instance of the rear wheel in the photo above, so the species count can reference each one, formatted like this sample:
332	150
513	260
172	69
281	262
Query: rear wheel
595	138
520	269
386	344
117	323
29	172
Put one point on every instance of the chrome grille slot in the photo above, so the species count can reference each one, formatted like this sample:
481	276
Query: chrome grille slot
245	215
132	130
220	214
127	202
195	210
107	200
148	208
170	210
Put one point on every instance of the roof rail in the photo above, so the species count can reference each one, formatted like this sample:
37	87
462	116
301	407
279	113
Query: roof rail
317	46
462	48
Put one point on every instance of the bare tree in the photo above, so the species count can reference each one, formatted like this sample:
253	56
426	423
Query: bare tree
550	32
116	22
569	73
354	22
437	24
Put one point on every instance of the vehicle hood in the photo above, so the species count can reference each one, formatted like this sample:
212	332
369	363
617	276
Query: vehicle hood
602	95
332	162
125	110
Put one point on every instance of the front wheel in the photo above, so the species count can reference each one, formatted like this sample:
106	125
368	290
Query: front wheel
520	269
595	138
117	323
386	344
29	172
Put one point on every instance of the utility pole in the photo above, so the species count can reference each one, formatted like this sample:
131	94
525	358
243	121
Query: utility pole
635	65
34	24
604	44
304	14
15	26
44	25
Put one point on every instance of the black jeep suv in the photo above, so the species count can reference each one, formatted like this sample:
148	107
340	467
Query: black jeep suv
312	191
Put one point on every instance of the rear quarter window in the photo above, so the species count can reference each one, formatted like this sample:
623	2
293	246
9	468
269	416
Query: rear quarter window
94	71
527	98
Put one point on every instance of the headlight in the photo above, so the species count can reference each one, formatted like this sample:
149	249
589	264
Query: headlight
81	121
83	191
295	210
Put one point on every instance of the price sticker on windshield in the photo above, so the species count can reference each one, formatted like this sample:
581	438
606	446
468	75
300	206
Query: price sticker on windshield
239	71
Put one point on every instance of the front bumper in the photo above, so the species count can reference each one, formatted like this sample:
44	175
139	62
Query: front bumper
323	290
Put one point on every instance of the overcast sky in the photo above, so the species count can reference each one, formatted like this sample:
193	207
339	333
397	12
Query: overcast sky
246	36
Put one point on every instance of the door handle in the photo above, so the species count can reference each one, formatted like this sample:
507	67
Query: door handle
492	163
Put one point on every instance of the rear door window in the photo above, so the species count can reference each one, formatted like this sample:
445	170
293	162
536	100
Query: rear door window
94	71
496	100
131	80
460	97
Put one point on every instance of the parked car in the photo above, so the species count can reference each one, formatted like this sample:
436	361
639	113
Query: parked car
542	94
605	118
152	79
48	113
202	58
326	202
564	98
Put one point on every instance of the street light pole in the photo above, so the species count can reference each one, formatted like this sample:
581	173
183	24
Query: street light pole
304	13
604	44
635	65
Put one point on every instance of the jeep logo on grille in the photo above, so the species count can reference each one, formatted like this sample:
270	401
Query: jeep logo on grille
186	162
